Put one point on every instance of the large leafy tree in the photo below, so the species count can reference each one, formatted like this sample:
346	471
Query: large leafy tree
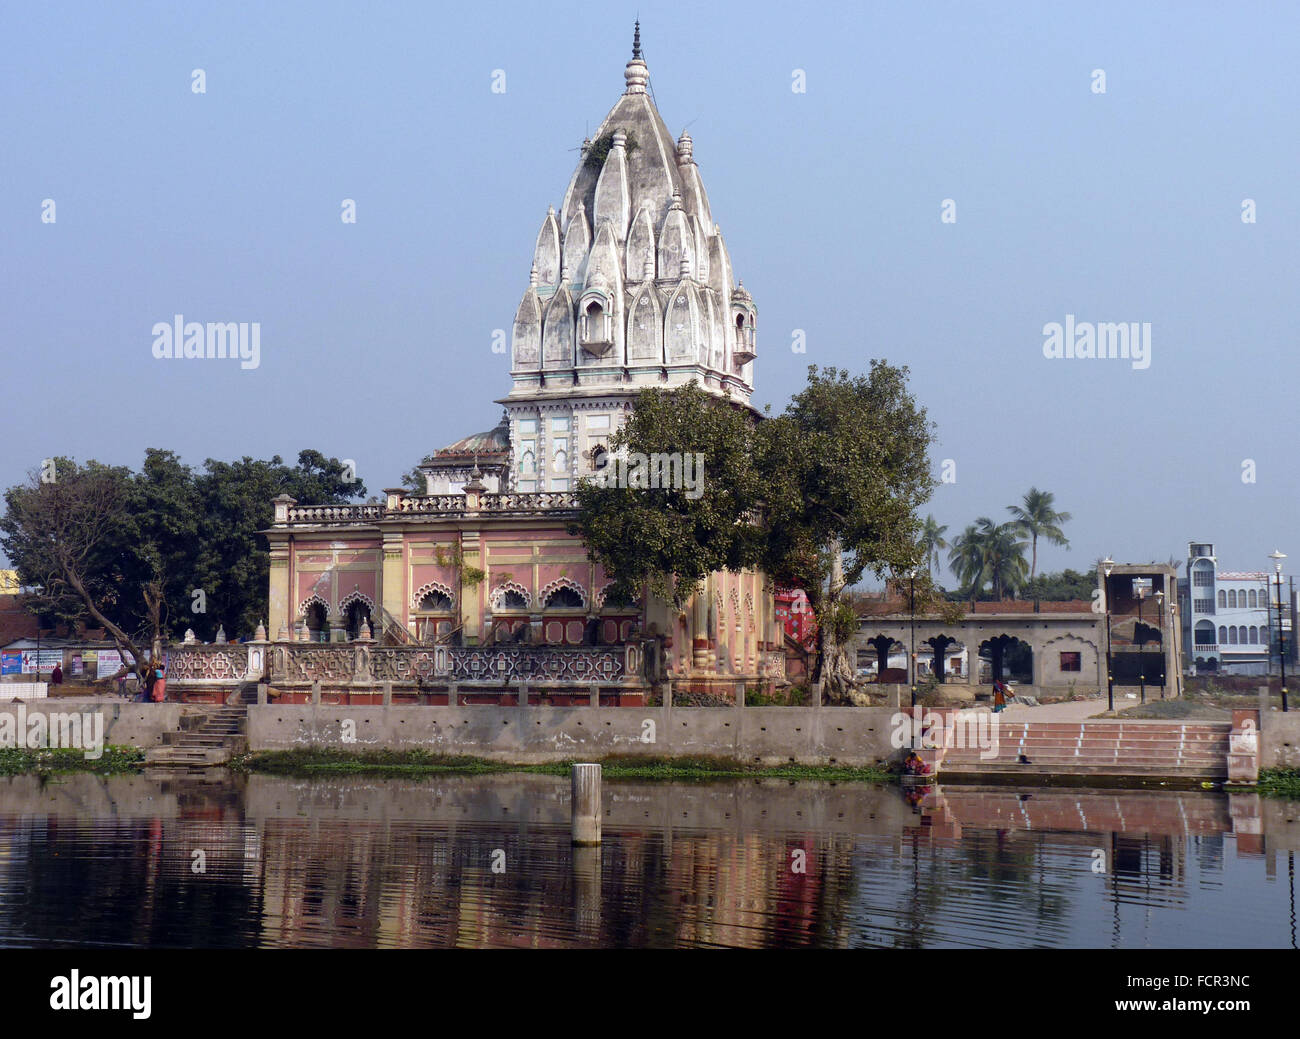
670	538
1035	517
816	497
232	564
146	555
844	470
76	534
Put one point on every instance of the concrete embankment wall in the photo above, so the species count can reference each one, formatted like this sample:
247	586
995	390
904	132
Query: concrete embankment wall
856	736
1280	739
126	724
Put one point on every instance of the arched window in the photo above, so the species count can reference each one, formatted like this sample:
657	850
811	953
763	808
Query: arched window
563	599
528	464
1254	635
595	328
513	601
1250	597
318	626
1232	598
1223	633
1223	599
358	615
1232	635
435	601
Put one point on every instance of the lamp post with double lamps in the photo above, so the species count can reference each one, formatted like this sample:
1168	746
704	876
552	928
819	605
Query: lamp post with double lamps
1277	558
1107	565
1160	624
1140	591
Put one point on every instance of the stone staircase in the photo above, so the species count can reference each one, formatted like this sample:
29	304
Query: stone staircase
1148	749
217	738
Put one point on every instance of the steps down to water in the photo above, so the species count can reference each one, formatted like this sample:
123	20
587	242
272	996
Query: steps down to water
1190	750
218	738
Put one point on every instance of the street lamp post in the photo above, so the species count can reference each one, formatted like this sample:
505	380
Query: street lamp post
1106	565
911	604
1142	646
1277	558
1160	625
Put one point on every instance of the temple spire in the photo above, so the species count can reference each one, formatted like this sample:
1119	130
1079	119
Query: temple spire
636	41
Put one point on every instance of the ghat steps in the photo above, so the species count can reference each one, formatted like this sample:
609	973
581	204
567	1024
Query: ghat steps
1182	750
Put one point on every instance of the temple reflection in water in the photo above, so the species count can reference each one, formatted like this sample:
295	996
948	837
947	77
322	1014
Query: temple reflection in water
486	862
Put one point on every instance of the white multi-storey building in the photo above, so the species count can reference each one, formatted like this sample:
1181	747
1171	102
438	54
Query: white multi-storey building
1226	626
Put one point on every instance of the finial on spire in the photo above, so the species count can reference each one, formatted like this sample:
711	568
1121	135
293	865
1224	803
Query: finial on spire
636	74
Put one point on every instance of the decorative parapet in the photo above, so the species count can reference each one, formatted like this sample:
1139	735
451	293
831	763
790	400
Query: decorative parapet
196	663
496	665
539	501
287	513
551	665
453	504
333	514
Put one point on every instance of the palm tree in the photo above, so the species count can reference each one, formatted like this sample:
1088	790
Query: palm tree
989	553
966	560
1004	556
1036	518
932	543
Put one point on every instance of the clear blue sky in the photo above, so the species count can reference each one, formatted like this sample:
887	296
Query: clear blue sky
1122	206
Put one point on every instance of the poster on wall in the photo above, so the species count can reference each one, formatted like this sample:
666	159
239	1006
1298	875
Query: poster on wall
44	658
108	662
11	662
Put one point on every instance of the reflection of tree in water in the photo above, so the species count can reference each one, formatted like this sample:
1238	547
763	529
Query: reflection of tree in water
130	883
1015	871
838	881
922	914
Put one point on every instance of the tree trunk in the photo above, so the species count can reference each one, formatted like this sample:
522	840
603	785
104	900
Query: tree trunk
836	672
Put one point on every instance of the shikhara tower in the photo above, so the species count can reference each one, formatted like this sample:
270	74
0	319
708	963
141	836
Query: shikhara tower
630	287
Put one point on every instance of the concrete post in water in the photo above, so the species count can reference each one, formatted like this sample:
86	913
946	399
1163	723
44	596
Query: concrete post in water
586	808
586	889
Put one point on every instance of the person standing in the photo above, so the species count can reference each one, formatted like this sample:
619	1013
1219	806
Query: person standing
56	676
999	696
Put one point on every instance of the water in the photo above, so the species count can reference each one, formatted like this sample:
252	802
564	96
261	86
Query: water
486	861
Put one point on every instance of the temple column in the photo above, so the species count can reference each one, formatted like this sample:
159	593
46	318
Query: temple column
471	595
700	627
279	606
392	580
